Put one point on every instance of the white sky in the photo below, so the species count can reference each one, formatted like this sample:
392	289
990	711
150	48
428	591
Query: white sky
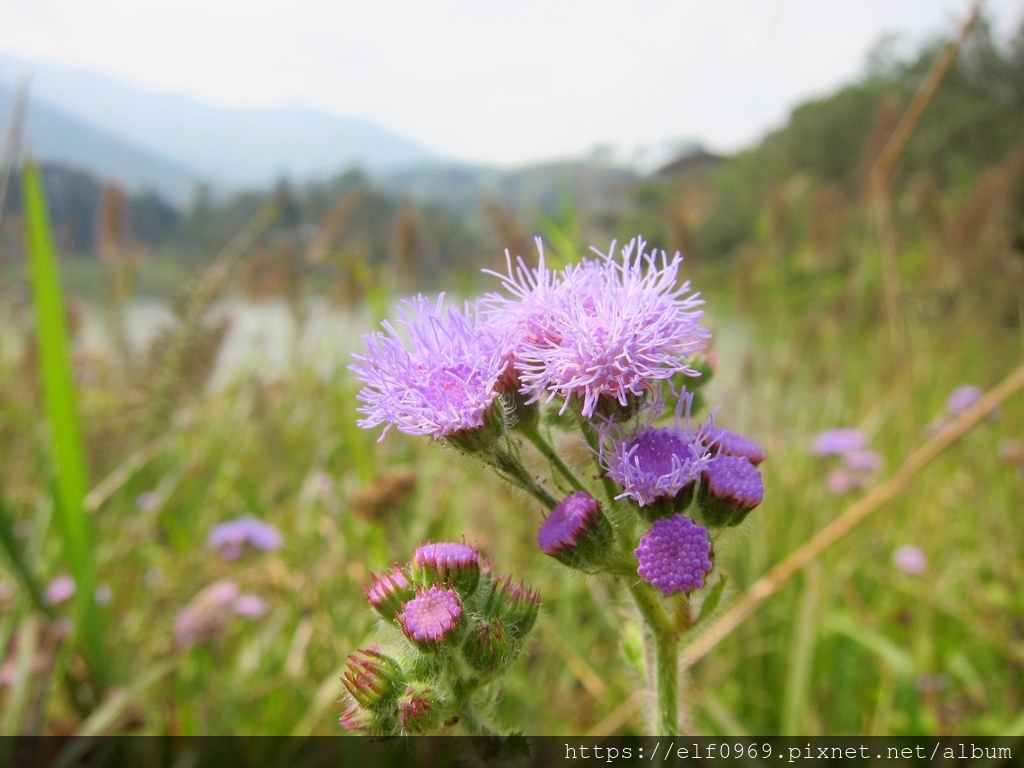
497	82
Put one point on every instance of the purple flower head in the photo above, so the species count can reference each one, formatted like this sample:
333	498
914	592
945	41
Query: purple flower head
863	461
457	565
962	398
839	441
910	560
206	614
432	616
576	533
675	555
730	487
441	382
229	538
60	590
723	441
389	591
843	481
656	463
250	606
611	330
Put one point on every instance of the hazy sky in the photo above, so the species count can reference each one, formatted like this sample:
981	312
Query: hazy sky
497	82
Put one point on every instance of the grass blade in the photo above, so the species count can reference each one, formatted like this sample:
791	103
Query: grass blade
68	452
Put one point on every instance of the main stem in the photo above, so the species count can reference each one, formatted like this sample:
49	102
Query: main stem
666	658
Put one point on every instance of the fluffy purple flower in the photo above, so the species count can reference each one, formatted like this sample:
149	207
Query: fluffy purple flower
442	381
229	538
675	555
431	616
723	441
606	330
910	560
962	398
839	441
59	590
658	462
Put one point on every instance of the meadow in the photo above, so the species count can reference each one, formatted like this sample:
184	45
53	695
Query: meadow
120	614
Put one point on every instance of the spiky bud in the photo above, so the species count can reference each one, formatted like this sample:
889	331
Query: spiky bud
372	679
419	709
389	591
447	563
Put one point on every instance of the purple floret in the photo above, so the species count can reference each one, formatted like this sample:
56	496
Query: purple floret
735	480
675	555
446	556
658	462
229	538
723	441
432	615
444	380
567	523
839	441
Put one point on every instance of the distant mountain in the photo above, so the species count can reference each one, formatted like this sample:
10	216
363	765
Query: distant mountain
51	134
236	147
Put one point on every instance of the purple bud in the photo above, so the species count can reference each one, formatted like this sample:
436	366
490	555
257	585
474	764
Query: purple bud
372	679
724	441
455	565
388	592
730	487
432	617
675	555
577	533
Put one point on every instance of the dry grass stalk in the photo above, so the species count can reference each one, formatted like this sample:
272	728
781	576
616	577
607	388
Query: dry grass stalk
881	173
327	235
112	224
408	246
770	583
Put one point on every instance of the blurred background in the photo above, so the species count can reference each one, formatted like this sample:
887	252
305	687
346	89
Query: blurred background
238	191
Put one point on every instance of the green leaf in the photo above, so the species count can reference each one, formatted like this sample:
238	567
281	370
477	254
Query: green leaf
66	446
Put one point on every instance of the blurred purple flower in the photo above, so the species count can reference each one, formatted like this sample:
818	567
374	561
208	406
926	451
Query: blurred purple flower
962	398
675	555
839	441
445	383
610	329
60	590
842	481
250	606
147	502
230	538
910	560
206	614
863	461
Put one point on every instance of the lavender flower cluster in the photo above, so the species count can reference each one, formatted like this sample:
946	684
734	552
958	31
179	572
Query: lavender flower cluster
462	627
600	347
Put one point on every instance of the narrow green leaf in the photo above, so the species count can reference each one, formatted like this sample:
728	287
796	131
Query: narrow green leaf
66	445
710	604
19	567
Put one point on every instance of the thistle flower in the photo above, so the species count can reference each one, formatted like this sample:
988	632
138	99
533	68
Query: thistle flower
455	565
431	617
730	487
444	381
839	441
230	538
675	555
389	591
611	330
657	464
577	533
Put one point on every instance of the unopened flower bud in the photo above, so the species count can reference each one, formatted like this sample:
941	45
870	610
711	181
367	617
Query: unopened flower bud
419	709
433	618
516	606
367	722
372	679
447	563
726	442
487	647
577	534
389	591
730	487
675	555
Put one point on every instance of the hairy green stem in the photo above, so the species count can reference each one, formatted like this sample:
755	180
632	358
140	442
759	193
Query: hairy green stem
508	465
666	658
590	435
532	433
